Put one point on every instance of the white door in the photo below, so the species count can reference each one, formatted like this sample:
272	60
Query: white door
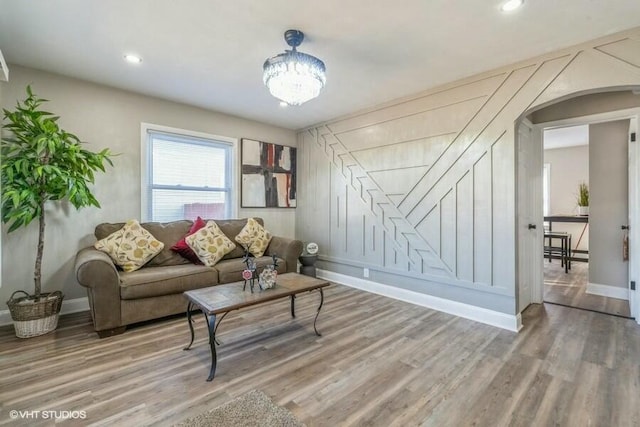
529	216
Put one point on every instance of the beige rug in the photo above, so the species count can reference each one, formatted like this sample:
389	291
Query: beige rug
253	409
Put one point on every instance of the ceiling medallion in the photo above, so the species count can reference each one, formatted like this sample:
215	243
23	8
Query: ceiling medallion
294	77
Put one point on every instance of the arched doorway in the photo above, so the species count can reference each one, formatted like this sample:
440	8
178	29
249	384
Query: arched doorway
593	106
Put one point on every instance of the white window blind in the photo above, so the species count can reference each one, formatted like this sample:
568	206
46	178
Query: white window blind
188	177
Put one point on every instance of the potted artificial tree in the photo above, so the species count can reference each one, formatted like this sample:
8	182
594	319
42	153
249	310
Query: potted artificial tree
41	163
583	199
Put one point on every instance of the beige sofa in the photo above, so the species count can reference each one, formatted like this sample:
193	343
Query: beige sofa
118	299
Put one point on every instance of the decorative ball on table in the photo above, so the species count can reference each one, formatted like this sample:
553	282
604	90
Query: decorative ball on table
308	259
268	276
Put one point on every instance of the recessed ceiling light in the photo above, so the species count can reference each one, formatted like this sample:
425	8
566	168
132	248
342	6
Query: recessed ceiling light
134	59
510	5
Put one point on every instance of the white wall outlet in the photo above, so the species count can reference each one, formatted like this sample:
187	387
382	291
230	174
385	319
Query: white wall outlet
365	272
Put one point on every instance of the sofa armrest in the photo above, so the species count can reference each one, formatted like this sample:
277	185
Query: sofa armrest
96	272
287	249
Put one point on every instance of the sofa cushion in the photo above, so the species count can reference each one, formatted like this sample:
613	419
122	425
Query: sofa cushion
168	233
152	282
231	228
130	247
230	270
254	237
210	244
183	249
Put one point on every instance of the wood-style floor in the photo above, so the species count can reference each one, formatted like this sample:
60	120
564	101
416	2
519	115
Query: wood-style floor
570	289
380	362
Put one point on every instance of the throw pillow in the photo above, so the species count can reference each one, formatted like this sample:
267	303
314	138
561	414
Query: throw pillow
210	244
183	249
254	237
131	247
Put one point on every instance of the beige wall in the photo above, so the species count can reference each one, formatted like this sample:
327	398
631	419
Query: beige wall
569	167
421	190
608	204
106	117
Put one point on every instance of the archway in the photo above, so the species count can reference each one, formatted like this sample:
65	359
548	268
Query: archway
595	105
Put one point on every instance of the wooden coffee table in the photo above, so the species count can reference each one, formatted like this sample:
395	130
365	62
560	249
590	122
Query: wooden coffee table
222	299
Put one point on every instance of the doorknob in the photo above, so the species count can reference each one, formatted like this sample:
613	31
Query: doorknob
531	227
625	227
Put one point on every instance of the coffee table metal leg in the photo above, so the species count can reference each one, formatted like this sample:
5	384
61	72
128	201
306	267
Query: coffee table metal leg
190	320
218	324
293	306
211	323
319	307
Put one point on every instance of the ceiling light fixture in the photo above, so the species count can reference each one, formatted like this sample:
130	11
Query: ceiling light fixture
511	5
134	59
294	77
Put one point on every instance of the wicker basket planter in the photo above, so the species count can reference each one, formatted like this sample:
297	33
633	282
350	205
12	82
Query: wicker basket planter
32	318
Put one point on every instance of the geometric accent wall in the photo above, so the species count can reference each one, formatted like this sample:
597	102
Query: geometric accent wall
423	189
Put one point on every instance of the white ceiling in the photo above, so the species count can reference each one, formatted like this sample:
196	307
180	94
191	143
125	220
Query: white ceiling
209	53
570	136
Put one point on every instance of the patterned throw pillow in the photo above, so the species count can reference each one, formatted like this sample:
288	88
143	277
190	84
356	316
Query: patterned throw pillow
210	244
255	237
131	247
181	246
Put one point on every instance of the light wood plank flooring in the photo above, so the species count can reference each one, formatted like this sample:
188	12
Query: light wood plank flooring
380	362
570	289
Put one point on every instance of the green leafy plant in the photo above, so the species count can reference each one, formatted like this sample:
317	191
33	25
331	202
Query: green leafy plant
40	162
583	194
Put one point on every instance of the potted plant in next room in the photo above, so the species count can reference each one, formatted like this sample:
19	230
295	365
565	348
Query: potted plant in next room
41	163
583	199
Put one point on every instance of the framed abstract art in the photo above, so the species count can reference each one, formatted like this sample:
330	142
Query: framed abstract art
268	175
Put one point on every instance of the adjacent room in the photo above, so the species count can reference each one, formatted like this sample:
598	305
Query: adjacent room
573	274
331	214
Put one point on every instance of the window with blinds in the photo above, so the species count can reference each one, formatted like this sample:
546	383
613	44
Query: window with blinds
188	177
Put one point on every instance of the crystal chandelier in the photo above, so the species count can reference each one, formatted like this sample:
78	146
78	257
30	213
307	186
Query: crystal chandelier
294	77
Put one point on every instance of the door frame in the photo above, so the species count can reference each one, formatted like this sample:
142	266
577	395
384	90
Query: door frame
633	114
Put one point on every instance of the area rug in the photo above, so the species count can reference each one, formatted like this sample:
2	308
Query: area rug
252	409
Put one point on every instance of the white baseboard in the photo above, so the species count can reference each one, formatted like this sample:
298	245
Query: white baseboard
608	291
68	306
510	322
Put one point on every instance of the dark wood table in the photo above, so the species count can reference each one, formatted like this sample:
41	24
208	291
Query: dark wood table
222	299
581	219
565	218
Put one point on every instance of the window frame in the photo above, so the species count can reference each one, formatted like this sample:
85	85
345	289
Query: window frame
200	138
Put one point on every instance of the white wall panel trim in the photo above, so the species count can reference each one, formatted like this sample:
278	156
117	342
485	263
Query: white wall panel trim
476	286
336	124
509	322
570	60
433	175
381	206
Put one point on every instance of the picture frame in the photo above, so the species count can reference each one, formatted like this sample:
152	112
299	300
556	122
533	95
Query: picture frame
268	175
